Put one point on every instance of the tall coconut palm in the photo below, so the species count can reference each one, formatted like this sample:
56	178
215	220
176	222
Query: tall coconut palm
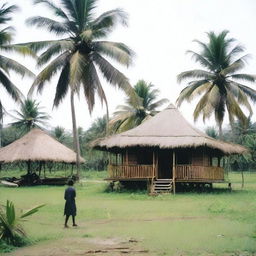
220	84
80	53
132	114
30	116
7	64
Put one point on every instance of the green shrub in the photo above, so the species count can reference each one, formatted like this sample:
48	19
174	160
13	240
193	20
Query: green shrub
11	231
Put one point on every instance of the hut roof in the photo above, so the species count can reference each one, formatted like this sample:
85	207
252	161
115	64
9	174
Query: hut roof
36	145
167	129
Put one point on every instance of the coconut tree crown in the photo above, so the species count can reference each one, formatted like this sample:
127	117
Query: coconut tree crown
132	114
81	49
220	83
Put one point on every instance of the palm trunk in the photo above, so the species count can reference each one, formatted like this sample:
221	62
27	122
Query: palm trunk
220	131
75	135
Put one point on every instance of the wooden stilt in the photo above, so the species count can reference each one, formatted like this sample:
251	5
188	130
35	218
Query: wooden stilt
173	172
154	171
156	174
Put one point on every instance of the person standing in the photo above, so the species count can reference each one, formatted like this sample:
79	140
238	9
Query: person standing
70	205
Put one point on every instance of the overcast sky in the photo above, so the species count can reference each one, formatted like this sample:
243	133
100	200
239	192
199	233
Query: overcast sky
160	32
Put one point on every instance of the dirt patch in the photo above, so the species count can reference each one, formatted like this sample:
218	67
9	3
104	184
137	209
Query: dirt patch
83	246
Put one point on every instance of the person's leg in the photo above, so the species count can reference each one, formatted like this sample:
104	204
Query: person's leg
74	222
66	221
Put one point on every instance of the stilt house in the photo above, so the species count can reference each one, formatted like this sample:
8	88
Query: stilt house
166	150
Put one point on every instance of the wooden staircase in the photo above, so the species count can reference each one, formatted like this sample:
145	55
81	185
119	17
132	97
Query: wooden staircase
162	186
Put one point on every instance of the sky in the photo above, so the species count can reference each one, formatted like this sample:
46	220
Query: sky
160	32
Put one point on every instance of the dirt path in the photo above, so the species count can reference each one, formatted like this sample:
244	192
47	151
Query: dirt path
83	246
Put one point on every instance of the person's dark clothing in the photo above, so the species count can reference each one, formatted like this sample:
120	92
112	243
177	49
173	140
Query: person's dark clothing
70	205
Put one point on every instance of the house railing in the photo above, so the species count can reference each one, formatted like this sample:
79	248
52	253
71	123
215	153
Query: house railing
190	172
131	171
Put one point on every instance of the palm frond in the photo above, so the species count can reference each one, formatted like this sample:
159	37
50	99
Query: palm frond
202	102
92	84
12	90
118	51
13	65
47	73
235	66
196	73
6	11
51	25
78	63
56	10
106	22
157	104
5	36
57	48
62	85
33	46
235	110
201	59
31	211
244	77
189	92
70	9
111	74
247	90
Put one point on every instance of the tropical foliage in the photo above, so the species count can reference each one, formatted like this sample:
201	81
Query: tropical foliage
134	113
220	84
95	159
10	228
59	133
30	116
8	64
80	53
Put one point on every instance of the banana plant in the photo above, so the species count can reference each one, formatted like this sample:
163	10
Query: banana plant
10	222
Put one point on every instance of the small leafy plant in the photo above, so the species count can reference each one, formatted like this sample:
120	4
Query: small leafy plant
11	230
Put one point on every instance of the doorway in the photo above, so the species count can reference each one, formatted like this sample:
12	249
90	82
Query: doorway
164	164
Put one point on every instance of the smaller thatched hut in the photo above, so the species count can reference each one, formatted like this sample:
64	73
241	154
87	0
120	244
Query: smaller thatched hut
37	146
166	150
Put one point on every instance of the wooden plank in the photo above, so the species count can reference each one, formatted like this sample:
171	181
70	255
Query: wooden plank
173	172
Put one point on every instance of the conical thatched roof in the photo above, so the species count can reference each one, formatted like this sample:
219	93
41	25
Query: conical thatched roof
167	129
37	146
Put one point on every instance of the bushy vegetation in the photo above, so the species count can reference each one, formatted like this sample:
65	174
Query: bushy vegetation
11	231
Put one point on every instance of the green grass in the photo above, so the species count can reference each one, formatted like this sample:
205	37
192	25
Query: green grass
185	224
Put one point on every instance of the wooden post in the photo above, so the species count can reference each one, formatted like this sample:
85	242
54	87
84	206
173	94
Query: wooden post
153	164
173	172
126	160
156	174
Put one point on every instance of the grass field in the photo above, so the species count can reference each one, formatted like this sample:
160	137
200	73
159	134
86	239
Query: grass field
211	223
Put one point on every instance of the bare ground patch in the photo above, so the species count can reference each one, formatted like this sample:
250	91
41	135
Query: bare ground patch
83	246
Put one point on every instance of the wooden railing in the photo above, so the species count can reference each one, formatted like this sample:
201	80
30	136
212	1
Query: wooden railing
189	172
131	171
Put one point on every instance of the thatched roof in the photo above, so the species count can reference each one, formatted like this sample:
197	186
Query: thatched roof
167	129
37	146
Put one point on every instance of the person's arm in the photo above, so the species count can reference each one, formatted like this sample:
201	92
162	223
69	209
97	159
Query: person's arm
65	195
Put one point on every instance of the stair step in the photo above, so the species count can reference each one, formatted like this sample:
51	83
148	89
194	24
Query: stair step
163	180
162	186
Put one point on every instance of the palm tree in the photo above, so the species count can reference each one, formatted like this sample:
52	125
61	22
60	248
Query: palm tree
59	133
30	116
220	83
132	114
80	53
7	64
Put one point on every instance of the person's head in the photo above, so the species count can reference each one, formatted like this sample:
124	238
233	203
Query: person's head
70	182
